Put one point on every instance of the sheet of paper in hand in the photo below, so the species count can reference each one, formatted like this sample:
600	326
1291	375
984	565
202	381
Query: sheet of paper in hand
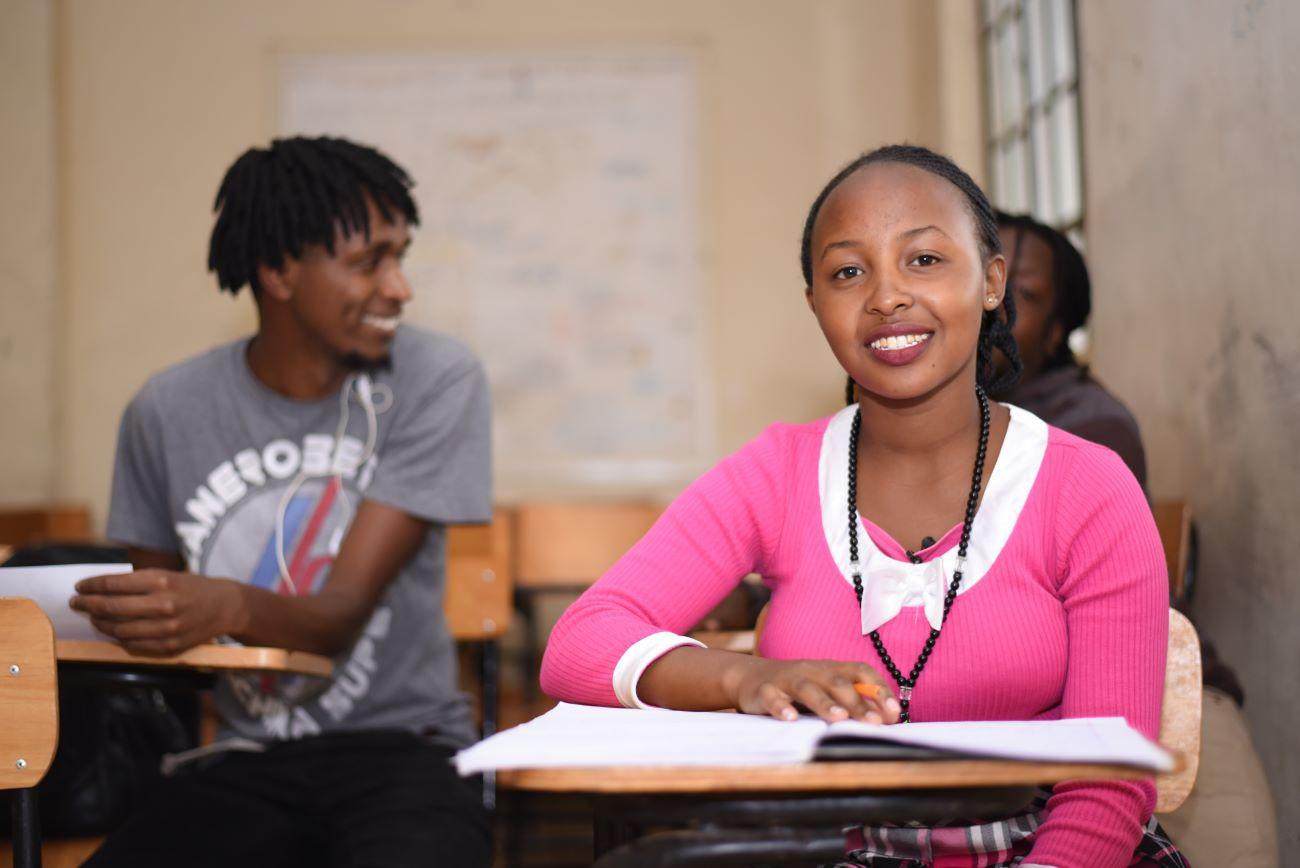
52	587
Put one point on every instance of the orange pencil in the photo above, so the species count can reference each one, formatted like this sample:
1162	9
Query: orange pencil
869	691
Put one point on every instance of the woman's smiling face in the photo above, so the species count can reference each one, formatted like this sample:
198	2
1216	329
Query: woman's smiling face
899	283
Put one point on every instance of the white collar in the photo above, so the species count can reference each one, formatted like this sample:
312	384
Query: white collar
887	584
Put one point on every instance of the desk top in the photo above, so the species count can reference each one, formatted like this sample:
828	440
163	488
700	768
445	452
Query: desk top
201	657
814	776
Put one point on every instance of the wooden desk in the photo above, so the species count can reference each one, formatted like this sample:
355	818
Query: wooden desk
202	658
883	775
787	814
108	664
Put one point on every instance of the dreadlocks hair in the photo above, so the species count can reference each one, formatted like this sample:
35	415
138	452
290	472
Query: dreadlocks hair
995	327
1071	286
275	202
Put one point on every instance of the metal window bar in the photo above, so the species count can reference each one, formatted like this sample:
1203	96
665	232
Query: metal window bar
1033	145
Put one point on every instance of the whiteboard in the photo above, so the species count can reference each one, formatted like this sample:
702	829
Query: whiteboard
559	238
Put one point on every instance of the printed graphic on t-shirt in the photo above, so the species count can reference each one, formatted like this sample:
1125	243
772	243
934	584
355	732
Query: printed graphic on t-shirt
275	518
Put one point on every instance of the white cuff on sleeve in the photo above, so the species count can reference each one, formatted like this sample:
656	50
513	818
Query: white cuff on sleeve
637	659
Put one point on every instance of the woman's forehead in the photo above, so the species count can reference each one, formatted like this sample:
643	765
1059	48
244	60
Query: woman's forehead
1031	252
881	197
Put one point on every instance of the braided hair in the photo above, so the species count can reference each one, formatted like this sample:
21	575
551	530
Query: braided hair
275	202
1071	286
995	327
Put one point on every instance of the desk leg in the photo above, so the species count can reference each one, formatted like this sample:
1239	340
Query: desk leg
26	829
609	829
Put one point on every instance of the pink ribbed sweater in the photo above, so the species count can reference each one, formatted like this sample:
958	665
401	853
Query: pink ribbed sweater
1071	620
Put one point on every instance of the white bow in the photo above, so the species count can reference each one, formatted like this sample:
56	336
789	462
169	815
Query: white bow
886	589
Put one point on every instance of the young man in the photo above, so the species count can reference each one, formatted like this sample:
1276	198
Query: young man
293	489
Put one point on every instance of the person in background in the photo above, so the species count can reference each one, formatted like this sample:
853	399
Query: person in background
293	489
1053	297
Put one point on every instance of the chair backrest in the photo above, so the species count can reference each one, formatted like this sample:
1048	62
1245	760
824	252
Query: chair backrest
572	544
29	695
1174	523
480	578
25	526
1180	715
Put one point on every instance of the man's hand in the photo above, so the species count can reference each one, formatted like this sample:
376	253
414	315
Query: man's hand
160	612
161	609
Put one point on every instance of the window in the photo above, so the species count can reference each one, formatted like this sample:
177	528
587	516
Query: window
1033	104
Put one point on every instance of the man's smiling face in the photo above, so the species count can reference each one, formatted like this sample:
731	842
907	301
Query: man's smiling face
347	304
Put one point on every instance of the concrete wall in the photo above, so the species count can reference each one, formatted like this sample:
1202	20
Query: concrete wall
1193	190
28	284
156	98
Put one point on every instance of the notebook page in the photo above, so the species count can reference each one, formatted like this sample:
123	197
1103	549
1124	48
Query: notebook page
583	735
1087	739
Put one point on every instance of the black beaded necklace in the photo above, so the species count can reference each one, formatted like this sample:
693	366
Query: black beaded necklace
905	685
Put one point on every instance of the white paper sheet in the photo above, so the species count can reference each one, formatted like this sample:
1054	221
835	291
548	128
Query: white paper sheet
52	587
1081	739
584	736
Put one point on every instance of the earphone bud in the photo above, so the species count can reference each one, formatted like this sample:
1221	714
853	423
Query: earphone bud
365	391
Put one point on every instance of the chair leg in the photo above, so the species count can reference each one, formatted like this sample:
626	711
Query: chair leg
26	829
526	606
489	660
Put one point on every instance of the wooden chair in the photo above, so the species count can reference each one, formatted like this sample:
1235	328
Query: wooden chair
28	525
1178	537
564	547
1180	715
480	578
20	528
29	717
568	546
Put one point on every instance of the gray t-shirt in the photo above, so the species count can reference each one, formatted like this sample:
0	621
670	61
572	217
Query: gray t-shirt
208	458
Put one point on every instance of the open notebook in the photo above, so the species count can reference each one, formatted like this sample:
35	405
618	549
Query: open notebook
580	735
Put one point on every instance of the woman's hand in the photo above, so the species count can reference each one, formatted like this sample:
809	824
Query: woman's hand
161	612
824	687
707	679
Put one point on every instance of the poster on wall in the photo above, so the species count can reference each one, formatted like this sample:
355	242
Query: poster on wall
559	237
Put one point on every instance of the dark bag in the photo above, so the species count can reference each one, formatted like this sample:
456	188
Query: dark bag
111	736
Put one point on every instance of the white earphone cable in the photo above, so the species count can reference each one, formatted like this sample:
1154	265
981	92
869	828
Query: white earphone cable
365	395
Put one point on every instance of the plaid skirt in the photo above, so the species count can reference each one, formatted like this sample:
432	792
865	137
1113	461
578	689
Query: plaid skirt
988	845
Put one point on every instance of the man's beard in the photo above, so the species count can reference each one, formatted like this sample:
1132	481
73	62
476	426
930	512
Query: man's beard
358	362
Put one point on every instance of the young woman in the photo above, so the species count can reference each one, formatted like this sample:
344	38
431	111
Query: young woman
970	560
1053	297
